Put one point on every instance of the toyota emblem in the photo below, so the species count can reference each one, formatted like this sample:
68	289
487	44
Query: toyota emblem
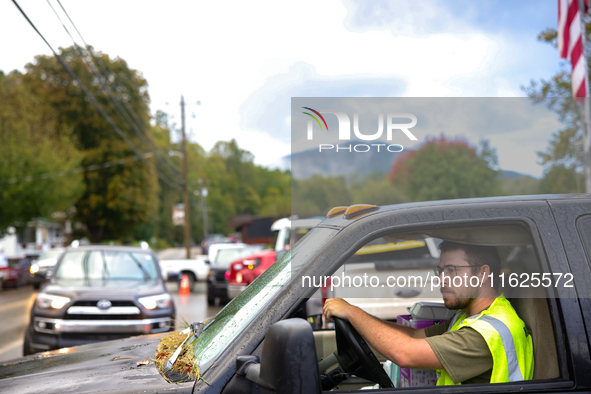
103	304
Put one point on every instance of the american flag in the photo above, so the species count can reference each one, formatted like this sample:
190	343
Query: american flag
570	43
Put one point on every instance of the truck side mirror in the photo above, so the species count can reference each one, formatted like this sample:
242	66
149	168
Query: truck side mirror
288	354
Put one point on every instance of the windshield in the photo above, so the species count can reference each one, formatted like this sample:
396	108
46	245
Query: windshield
50	257
223	329
226	256
103	265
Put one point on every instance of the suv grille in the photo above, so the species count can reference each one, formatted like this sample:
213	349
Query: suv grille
113	303
88	310
102	317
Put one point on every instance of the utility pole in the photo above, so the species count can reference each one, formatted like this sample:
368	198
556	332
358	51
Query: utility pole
185	183
204	210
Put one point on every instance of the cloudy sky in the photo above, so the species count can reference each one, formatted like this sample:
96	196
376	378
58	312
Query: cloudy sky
245	60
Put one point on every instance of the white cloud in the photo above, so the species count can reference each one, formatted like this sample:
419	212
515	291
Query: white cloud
223	53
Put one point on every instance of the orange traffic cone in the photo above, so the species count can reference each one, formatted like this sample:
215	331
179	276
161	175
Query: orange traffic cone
184	289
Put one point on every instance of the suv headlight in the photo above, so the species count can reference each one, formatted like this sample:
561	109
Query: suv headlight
158	301
34	268
51	301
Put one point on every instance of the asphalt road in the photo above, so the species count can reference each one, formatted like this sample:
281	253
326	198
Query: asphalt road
15	305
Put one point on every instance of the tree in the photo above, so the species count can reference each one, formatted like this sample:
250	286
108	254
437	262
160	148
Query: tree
443	168
523	185
560	179
241	180
376	189
37	158
118	197
317	195
564	154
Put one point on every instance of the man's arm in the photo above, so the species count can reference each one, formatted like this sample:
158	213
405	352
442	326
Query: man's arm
417	333
397	344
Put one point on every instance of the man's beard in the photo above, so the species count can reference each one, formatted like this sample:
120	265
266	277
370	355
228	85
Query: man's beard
454	303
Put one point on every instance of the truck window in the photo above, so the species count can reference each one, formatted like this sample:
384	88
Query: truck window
390	274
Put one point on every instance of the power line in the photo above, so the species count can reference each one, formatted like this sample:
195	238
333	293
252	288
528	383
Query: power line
106	73
98	106
111	90
78	170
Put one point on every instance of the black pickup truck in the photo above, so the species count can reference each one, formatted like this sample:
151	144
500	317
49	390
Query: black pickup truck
261	343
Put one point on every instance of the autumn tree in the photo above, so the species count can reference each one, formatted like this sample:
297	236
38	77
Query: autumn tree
443	168
116	198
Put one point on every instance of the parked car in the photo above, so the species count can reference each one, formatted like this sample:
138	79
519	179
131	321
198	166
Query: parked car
213	239
196	269
244	271
213	249
44	263
99	293
380	259
3	269
223	255
18	273
258	343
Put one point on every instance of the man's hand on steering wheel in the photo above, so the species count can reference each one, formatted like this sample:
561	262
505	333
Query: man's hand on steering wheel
337	307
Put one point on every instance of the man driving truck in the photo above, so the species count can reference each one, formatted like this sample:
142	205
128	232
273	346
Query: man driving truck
484	342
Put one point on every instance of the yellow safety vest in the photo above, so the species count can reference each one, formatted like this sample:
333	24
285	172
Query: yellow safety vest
507	338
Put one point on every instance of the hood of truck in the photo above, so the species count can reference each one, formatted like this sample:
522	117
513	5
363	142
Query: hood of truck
98	367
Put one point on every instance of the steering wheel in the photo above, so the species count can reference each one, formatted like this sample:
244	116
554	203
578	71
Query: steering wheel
355	356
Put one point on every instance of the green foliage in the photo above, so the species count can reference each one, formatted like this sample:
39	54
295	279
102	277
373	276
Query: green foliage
234	184
32	144
561	179
444	169
377	190
119	197
49	81
316	195
563	159
116	198
48	124
523	185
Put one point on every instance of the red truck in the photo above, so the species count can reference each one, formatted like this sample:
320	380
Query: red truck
244	271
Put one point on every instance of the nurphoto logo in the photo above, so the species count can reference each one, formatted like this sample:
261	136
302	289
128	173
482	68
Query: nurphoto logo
392	124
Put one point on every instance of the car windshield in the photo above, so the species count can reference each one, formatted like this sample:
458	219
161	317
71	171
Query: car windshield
91	265
50	256
223	329
226	256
